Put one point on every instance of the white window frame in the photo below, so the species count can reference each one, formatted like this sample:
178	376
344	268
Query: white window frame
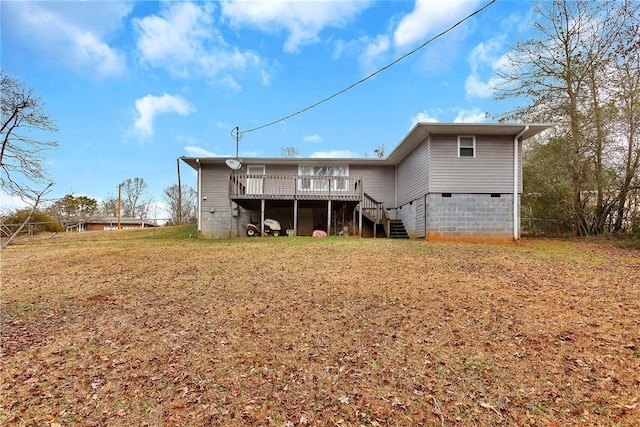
473	146
319	184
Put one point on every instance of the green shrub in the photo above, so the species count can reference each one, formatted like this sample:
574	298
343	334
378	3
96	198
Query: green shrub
630	242
39	222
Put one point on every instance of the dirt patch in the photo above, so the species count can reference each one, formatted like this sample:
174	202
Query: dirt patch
131	329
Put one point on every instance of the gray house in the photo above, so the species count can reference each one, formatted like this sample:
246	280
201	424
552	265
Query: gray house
443	181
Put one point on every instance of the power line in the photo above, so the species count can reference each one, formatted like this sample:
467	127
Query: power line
437	36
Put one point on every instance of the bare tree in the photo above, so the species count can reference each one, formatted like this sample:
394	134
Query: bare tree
21	170
109	206
290	151
20	154
627	84
134	191
379	152
564	71
35	201
176	200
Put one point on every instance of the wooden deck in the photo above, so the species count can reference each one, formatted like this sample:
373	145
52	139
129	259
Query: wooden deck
295	187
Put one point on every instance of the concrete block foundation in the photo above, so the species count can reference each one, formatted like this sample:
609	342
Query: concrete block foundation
469	217
460	217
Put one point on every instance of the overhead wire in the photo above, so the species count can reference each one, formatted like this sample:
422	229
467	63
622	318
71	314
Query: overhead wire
364	79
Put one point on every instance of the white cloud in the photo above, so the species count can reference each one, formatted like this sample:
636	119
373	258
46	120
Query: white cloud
195	151
373	53
90	50
351	48
312	138
302	20
474	115
150	106
484	54
183	40
71	32
470	116
230	82
334	154
429	17
339	47
485	59
475	87
423	117
9	203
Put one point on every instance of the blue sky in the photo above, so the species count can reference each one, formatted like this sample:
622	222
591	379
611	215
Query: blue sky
132	86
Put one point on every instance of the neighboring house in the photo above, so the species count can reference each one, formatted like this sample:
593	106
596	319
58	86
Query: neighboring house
110	224
442	182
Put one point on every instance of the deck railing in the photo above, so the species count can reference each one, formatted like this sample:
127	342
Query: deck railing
376	213
374	210
298	187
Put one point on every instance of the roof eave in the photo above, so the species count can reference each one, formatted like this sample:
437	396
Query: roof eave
418	133
422	130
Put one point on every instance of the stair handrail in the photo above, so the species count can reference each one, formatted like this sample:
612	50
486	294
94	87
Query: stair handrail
374	210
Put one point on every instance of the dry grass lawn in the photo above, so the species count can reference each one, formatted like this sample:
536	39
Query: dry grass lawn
155	328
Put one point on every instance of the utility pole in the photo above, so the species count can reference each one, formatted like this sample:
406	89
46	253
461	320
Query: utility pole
179	193
119	191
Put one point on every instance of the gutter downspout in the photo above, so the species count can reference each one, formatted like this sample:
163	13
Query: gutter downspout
516	224
199	195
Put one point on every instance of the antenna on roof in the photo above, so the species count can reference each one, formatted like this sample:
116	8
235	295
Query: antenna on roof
235	164
237	135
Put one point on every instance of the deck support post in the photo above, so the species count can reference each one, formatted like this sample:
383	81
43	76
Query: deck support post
200	198
230	218
353	222
295	217
262	217
360	220
375	224
329	217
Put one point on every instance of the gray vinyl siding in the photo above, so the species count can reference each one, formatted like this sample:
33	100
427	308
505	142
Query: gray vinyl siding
413	174
277	169
215	212
215	187
378	181
491	171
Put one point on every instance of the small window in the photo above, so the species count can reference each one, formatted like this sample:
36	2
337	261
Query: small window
466	146
446	194
323	178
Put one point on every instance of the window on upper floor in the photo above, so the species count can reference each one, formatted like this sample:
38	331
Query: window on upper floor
320	184
466	146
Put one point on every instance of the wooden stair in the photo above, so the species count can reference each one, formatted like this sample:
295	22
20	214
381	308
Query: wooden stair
377	214
397	230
